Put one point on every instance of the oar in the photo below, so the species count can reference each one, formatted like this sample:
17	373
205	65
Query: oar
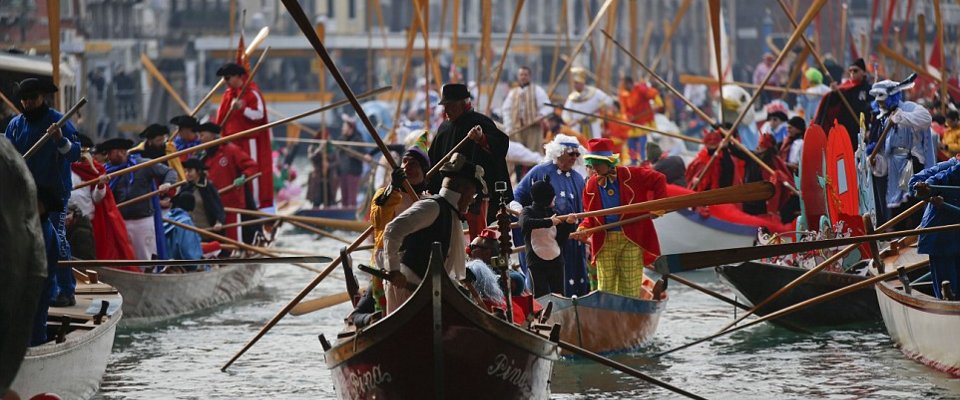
149	194
809	302
245	180
59	124
325	141
246	84
219	261
829	261
754	191
622	222
626	123
576	50
217	142
883	136
703	259
320	232
152	69
357	226
623	368
224	239
320	303
503	57
258	221
688	79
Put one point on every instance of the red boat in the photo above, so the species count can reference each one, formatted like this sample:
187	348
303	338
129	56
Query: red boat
440	342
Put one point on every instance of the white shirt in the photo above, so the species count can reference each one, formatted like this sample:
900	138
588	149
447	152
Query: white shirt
86	197
419	216
514	111
796	149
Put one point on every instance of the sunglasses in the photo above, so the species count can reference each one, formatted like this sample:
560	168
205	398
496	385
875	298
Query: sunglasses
574	153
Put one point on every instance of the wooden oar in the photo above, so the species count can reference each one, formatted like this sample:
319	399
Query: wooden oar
248	52
325	141
755	191
576	50
152	70
219	261
623	368
829	261
320	303
258	221
627	123
688	79
809	302
245	180
622	222
224	239
150	194
357	226
503	57
703	259
59	124
883	136
246	84
320	232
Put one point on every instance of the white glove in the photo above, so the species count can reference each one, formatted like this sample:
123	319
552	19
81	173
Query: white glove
515	206
164	187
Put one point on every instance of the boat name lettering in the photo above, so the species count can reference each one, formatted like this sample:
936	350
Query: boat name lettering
505	368
369	380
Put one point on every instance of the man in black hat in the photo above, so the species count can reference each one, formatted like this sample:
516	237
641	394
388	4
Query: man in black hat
142	218
487	149
50	165
856	89
186	134
408	238
156	145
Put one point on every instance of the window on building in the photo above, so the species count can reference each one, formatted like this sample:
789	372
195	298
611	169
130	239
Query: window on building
352	9
330	5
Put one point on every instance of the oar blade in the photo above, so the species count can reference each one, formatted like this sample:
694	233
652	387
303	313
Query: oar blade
320	303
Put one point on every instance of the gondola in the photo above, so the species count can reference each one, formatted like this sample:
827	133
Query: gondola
605	322
755	281
469	354
72	364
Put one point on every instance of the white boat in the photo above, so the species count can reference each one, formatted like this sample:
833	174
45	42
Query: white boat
73	368
922	326
150	298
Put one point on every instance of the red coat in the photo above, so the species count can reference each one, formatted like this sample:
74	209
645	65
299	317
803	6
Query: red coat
635	103
109	230
224	164
637	184
252	115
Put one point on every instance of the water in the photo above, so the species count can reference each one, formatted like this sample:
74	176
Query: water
182	358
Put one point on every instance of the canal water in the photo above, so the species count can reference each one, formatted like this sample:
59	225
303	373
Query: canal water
182	358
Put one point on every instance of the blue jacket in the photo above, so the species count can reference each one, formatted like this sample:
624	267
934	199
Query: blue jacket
181	243
567	185
946	173
49	166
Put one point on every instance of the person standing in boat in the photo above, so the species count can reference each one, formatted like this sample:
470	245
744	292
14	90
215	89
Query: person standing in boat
227	164
523	108
721	173
408	239
392	200
587	99
544	232
142	219
560	164
620	253
487	148
942	247
186	134
754	172
48	204
156	145
208	208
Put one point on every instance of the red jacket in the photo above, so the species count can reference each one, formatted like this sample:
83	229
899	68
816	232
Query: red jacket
635	103
637	184
112	242
224	164
252	115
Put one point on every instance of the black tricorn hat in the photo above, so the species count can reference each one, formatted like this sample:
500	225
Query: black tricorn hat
194	163
209	127
230	69
85	140
153	131
33	86
453	92
185	121
859	64
113	144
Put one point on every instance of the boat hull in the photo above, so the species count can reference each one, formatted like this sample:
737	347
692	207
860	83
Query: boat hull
757	281
923	327
154	297
624	323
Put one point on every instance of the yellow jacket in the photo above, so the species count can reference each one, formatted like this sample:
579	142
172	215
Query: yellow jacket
951	140
173	162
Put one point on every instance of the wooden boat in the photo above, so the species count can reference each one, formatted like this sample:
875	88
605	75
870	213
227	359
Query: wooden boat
470	354
154	297
754	282
715	227
922	326
605	322
74	367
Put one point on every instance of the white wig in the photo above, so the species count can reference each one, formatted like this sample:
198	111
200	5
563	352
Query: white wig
486	282
561	144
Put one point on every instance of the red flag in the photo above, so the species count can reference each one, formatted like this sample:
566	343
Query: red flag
242	58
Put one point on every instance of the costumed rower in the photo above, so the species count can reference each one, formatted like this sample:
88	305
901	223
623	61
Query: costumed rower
856	89
250	111
586	99
227	165
523	106
143	221
408	239
487	149
620	253
735	99
208	208
753	172
155	145
560	164
186	134
721	173
544	233
635	104
48	202
942	247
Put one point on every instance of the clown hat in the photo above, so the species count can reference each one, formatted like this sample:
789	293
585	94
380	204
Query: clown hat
601	149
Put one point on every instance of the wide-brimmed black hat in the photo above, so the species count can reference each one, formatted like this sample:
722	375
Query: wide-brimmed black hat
194	163
452	92
209	127
459	166
32	86
230	69
185	121
113	144
153	131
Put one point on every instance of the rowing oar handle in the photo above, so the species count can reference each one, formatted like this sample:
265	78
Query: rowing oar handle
590	231
246	84
151	194
455	149
245	180
59	124
883	136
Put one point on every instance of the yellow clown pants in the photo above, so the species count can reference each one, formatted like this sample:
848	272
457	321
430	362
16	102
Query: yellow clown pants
620	266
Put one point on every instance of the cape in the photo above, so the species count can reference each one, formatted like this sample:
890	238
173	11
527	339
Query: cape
107	221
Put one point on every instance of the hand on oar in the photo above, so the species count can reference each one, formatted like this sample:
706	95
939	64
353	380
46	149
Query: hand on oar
320	303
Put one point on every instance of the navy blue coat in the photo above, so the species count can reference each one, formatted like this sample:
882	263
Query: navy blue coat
48	166
946	173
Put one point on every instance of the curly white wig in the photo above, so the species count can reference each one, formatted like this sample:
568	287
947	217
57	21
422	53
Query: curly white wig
486	282
561	144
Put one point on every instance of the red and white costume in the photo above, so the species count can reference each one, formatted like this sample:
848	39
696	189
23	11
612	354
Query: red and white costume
251	115
224	164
